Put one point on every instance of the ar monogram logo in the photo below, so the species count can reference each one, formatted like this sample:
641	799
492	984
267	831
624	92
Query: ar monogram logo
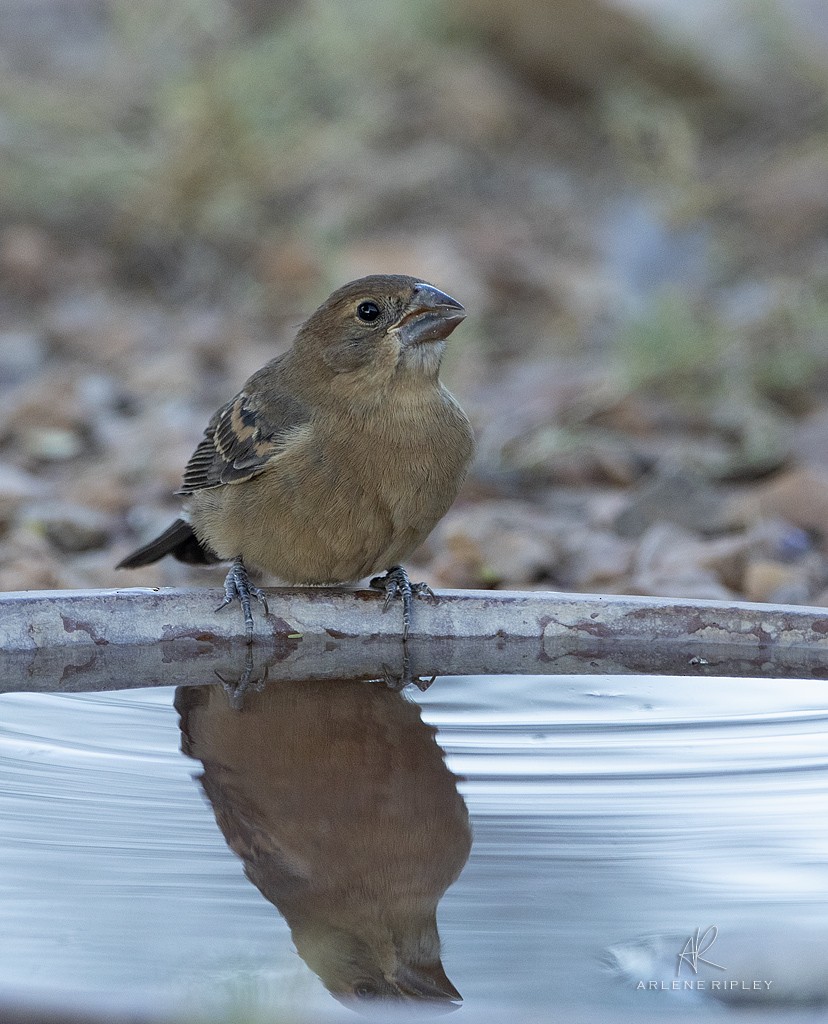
697	945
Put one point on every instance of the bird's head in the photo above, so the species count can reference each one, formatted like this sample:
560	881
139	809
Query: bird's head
366	966
379	330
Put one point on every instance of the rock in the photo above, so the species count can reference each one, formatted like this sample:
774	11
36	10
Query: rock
69	528
707	50
594	560
41	417
576	46
788	201
777	583
677	496
808	577
758	565
51	444
726	557
604	507
99	487
496	543
166	375
22	353
759	439
670	563
799	496
665	546
27	562
686	583
719	440
779	541
810	440
558	455
16	489
478	101
26	254
95	326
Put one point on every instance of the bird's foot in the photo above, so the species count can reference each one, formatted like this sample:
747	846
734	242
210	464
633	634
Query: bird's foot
248	682
398	681
237	585
396	583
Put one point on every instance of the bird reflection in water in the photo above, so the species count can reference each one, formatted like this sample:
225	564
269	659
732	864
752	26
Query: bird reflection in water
337	798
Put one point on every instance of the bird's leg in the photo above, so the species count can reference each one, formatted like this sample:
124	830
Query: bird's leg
396	583
399	681
237	688
237	585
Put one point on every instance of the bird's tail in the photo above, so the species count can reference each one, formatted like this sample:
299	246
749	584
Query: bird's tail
177	540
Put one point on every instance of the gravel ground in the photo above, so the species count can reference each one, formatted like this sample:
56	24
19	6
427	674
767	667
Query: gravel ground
645	359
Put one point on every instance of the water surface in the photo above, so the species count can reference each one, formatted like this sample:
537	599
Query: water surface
611	817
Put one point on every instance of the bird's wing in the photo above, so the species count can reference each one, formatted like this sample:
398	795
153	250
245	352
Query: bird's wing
276	868
240	439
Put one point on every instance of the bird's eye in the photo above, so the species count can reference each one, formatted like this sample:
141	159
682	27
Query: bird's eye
365	989
368	311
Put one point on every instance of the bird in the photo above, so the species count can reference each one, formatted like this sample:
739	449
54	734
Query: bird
337	798
337	458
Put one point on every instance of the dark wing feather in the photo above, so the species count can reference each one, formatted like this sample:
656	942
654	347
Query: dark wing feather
240	439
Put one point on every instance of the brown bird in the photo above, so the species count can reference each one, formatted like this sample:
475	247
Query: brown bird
337	798
336	459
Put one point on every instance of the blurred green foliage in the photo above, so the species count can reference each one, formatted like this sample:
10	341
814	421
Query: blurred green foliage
694	356
193	124
188	127
671	346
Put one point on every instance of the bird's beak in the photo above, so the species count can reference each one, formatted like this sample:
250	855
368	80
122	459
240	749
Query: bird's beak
431	316
427	981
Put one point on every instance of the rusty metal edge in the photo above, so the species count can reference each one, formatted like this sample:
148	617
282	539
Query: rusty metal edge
34	620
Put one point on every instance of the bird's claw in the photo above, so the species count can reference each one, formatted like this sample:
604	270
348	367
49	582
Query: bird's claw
247	682
396	584
422	683
237	586
424	590
398	681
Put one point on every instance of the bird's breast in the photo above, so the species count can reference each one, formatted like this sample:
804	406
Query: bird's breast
347	497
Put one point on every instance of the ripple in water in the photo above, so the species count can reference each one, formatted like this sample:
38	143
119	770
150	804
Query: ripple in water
611	818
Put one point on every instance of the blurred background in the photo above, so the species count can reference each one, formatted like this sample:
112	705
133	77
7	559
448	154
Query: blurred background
629	196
